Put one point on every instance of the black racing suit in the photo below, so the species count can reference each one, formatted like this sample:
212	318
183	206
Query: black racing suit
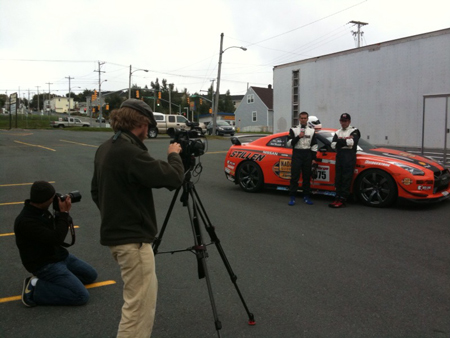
345	141
304	151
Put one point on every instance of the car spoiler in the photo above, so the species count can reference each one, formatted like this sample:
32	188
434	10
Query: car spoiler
236	140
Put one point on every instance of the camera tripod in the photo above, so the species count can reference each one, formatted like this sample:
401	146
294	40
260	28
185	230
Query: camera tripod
197	213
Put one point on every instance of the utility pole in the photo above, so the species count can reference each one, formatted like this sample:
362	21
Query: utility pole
359	33
49	94
70	78
100	64
38	97
170	100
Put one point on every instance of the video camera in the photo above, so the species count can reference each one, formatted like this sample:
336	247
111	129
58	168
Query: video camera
75	196
191	144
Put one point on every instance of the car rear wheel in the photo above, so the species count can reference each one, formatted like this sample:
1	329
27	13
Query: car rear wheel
376	188
153	132
250	177
217	133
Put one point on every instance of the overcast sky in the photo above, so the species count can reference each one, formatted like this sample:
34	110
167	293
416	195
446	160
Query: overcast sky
48	41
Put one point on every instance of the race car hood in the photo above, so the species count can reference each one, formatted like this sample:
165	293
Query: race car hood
385	154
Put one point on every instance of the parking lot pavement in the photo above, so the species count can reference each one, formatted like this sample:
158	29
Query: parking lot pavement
307	271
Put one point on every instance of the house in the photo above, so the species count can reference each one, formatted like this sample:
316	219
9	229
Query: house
255	113
59	104
237	99
397	92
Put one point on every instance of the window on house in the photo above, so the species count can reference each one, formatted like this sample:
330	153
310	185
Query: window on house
250	98
253	116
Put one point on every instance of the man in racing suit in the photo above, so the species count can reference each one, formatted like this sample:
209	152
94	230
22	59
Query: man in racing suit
345	141
303	141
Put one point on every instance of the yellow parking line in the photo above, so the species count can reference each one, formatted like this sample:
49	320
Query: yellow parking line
7	234
217	152
34	145
12	233
17	184
81	144
11	203
88	286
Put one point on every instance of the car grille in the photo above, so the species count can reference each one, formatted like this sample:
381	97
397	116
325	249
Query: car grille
441	180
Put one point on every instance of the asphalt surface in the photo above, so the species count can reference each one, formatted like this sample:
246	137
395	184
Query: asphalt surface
304	271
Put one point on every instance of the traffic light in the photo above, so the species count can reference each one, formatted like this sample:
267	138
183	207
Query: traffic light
157	102
201	101
188	100
137	94
210	110
107	106
159	95
94	96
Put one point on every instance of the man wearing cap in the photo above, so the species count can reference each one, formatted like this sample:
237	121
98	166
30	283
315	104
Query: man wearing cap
124	176
58	276
345	141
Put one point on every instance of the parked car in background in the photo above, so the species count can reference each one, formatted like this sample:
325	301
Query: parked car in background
381	175
98	120
222	128
69	122
168	123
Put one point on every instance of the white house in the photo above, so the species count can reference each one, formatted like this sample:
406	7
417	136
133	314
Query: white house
397	92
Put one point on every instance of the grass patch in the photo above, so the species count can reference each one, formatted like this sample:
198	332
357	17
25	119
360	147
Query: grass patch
38	122
26	121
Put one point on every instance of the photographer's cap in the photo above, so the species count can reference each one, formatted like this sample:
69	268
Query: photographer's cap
141	107
41	191
345	117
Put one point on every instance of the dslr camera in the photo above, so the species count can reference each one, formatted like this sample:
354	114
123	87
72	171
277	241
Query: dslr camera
74	195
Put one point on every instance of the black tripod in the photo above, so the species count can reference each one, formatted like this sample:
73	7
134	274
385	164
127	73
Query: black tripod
196	213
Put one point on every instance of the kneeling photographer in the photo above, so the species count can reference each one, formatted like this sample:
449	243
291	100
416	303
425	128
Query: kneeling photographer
58	277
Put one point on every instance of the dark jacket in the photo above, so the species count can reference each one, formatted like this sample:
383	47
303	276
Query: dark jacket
124	175
39	236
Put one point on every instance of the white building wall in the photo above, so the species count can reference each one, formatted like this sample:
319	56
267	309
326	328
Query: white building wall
381	86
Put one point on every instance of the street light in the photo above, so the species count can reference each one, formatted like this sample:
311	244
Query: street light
129	80
216	103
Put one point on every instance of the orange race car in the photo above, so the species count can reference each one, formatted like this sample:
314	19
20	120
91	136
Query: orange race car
381	175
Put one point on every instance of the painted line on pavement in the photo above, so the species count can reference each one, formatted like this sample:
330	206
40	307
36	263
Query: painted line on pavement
12	233
88	286
34	145
17	184
81	144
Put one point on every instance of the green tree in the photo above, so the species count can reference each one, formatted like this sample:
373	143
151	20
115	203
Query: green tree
226	103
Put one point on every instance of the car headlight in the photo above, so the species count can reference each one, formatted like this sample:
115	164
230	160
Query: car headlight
412	170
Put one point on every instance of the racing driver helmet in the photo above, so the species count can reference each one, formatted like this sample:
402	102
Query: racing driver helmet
314	122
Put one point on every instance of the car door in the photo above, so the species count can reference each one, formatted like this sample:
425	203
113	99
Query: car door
277	162
326	160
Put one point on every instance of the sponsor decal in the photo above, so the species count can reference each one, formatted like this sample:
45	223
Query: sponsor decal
283	168
227	170
423	187
247	155
323	174
381	164
231	163
270	152
407	181
444	193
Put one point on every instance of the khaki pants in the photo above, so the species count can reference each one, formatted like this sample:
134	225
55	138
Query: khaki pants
137	266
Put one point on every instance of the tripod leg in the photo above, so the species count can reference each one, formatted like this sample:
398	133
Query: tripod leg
201	253
158	239
214	239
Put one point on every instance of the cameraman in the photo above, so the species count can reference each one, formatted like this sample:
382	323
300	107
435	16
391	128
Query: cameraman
58	276
124	176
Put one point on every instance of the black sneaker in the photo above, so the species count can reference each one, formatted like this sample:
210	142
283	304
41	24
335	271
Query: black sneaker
27	293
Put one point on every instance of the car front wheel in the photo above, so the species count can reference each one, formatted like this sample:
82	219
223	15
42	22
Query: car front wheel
250	177
153	132
376	188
